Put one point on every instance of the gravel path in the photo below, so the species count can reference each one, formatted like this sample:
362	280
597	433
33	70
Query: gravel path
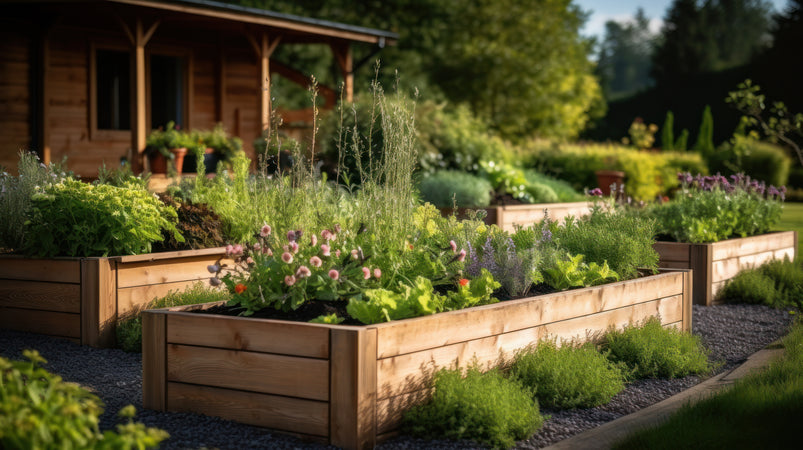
731	332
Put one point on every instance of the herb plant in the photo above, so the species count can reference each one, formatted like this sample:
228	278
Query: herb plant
568	376
39	410
483	407
71	218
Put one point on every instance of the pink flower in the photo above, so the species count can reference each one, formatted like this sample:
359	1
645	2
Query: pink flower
325	250
453	245
291	235
355	254
303	272
315	261
334	274
287	257
249	260
289	280
257	247
267	251
377	273
366	273
462	255
326	234
596	192
229	249
313	240
294	247
337	253
265	231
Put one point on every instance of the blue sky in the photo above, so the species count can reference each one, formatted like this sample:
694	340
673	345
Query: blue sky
619	10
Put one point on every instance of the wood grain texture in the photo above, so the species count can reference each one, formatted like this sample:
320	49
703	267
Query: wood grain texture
701	260
52	270
353	388
282	413
258	372
191	268
150	257
528	215
154	360
43	322
752	245
676	252
395	338
242	333
41	296
98	302
133	299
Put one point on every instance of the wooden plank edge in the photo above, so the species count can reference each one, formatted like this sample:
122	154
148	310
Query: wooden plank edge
147	257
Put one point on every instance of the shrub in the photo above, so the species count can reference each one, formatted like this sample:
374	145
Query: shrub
667	132
484	407
622	240
711	208
705	136
72	218
777	283
39	410
760	160
446	188
16	193
569	376
563	190
129	329
652	351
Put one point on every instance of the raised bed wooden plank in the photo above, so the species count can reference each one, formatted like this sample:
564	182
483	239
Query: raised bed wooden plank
250	371
163	271
422	333
353	388
98	302
725	269
752	245
673	252
132	299
296	415
241	333
154	361
54	270
527	215
61	297
218	251
44	322
405	373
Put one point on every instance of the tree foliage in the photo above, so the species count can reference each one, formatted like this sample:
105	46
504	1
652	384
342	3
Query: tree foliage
625	56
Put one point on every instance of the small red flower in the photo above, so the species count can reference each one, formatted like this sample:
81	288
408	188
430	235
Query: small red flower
240	288
463	282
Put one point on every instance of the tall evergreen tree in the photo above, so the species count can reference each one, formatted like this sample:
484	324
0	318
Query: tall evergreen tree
667	134
625	56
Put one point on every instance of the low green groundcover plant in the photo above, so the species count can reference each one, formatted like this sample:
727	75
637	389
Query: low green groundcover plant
484	407
39	410
777	283
713	208
447	188
652	351
568	376
761	410
129	329
71	218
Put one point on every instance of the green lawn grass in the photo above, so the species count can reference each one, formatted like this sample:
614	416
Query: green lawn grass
792	219
761	411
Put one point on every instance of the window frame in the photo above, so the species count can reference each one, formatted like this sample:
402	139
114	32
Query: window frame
95	133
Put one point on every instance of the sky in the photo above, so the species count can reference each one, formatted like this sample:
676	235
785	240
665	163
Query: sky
620	10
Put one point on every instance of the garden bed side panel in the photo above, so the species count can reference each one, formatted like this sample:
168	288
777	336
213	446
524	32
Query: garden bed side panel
82	298
716	263
268	372
41	295
507	217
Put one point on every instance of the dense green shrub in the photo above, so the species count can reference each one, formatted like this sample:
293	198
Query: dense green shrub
569	376
16	193
777	283
446	188
652	351
484	407
71	218
711	208
622	240
38	410
129	328
562	189
647	174
760	160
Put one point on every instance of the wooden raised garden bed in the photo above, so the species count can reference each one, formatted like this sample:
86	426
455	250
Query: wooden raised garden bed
715	263
349	385
81	298
506	217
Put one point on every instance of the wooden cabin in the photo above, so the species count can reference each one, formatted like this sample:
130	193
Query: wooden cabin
89	79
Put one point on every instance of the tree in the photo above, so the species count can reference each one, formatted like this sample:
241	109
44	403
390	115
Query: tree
521	65
667	134
709	36
705	137
625	56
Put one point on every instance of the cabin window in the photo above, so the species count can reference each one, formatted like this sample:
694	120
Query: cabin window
167	94
113	90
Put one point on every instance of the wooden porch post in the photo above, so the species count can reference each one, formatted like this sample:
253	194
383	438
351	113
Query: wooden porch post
263	49
44	113
345	60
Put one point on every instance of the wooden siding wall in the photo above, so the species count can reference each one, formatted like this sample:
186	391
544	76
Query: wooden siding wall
15	69
68	85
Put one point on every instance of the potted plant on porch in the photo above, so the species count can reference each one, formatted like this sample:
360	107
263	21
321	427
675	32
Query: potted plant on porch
167	146
214	146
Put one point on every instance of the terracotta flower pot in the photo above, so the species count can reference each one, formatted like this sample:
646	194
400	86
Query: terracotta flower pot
605	178
159	162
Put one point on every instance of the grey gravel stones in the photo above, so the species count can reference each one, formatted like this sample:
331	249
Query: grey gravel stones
732	332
